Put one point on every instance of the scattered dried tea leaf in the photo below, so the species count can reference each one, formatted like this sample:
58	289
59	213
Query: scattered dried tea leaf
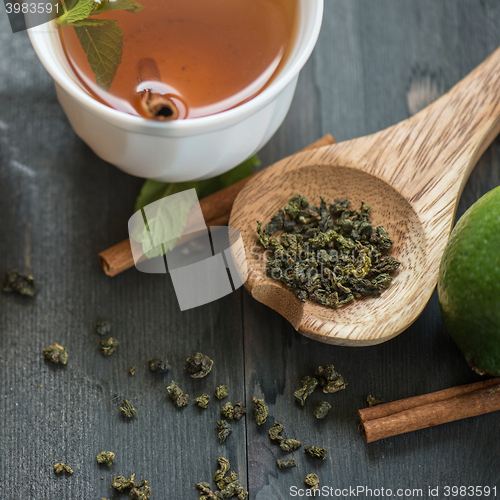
229	486
328	254
221	392
308	386
239	410
316	451
106	457
274	432
224	429
20	283
286	462
56	353
203	400
121	483
132	370
142	492
312	480
199	365
228	410
108	346
178	397
321	409
224	467
159	365
373	401
260	411
206	492
329	379
290	444
103	326
127	410
59	467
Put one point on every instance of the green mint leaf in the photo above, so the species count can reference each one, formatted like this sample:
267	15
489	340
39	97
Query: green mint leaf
81	10
172	221
102	41
128	5
154	190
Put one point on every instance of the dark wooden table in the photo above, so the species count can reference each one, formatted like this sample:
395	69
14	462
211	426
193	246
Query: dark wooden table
376	63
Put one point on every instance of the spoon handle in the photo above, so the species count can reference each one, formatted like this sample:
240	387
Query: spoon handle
429	157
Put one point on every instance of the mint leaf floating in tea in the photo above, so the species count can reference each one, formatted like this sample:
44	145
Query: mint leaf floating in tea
178	397
127	410
106	457
328	254
321	409
221	392
329	379
203	400
199	365
316	451
159	365
20	283
108	346
308	386
224	429
286	462
290	444
56	353
312	480
259	411
102	42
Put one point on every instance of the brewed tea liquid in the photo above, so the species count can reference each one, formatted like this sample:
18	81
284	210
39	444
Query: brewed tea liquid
211	54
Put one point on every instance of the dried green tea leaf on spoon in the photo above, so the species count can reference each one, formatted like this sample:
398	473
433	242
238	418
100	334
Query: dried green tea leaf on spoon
329	254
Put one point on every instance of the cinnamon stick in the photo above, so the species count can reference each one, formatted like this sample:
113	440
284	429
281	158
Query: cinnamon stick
411	414
156	105
216	209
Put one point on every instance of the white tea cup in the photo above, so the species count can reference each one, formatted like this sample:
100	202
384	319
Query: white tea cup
179	150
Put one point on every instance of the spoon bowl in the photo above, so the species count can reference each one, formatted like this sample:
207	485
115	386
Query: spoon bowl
411	174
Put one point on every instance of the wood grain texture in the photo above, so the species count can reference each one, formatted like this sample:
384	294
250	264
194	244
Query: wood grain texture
369	58
411	174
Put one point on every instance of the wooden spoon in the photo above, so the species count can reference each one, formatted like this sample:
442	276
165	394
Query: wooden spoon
412	174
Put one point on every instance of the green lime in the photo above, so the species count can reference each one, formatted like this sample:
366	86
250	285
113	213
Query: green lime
469	284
